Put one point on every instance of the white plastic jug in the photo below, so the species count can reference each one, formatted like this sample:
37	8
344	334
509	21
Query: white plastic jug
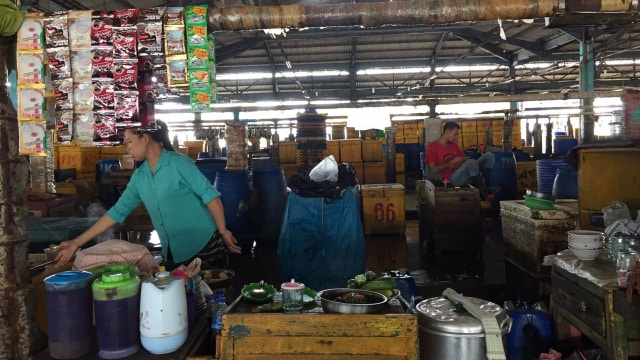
163	314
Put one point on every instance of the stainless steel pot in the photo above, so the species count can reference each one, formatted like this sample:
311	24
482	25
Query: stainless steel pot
375	301
447	333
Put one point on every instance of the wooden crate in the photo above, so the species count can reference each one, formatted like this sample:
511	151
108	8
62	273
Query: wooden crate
386	252
374	173
114	150
401	179
453	218
333	148
411	139
83	159
468	126
383	209
359	167
372	150
289	170
399	162
352	133
313	334
526	176
287	152
469	140
529	235
351	150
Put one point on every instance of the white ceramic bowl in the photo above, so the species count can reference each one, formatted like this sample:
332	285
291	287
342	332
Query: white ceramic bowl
583	234
589	245
585	254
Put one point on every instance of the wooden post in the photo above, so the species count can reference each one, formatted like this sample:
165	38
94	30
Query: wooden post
18	328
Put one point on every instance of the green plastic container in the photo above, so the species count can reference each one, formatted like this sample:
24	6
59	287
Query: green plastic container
116	300
538	204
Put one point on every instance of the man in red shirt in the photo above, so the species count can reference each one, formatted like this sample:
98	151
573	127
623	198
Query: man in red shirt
445	158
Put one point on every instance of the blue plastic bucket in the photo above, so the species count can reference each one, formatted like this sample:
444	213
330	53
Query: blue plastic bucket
565	185
546	174
562	146
531	334
504	175
234	189
103	170
271	187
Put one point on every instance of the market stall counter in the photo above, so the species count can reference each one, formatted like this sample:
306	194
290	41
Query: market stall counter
247	332
586	295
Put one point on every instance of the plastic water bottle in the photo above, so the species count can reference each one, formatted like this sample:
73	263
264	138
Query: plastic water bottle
221	308
212	305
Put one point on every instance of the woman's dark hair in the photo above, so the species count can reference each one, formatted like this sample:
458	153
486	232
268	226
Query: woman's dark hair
450	125
158	132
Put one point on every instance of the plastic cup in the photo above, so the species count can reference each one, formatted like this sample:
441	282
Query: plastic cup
292	297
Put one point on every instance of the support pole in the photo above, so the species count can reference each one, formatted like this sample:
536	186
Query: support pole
587	75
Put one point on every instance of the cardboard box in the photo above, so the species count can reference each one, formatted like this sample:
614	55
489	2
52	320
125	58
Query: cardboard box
351	150
469	140
287	152
83	159
374	173
372	150
383	208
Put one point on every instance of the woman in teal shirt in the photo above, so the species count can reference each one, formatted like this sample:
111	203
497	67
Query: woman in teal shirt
184	207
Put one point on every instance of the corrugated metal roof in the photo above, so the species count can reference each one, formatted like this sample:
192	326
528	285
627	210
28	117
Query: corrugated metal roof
352	50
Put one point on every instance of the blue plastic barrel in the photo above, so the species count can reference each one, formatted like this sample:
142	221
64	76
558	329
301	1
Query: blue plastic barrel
565	185
103	170
271	187
504	175
234	189
546	173
531	334
210	167
562	146
203	155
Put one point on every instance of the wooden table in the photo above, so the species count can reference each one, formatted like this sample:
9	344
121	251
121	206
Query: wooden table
313	334
585	294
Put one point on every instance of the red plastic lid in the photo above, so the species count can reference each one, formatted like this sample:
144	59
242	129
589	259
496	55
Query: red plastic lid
292	285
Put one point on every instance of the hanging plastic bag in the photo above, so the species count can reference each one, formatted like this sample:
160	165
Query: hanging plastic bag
326	170
614	212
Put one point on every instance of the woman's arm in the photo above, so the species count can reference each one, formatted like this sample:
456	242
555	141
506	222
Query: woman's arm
67	249
216	209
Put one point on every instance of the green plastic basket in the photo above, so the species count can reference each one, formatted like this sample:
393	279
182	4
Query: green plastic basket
538	204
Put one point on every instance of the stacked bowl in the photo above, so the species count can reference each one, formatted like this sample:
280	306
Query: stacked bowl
585	244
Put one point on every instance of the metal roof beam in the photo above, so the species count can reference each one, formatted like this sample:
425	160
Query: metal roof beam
527	45
225	53
504	57
274	82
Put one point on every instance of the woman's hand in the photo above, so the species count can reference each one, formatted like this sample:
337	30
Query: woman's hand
231	242
66	250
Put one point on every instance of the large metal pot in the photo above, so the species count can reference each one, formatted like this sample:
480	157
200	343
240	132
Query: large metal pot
450	333
375	301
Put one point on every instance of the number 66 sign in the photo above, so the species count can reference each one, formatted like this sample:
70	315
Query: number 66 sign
383	209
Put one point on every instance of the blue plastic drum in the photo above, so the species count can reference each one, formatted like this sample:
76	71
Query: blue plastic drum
234	189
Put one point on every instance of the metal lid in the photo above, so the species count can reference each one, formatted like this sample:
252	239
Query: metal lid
440	314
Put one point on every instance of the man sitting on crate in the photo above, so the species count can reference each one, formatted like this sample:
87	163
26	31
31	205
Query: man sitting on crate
447	161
